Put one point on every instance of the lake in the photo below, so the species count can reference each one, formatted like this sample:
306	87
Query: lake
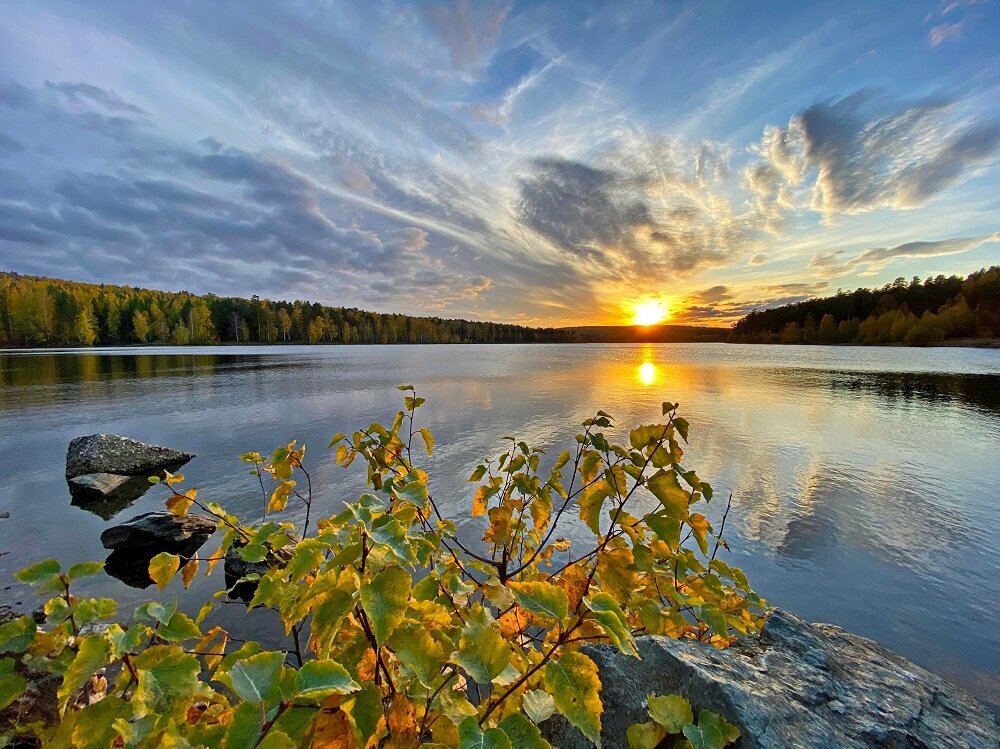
865	481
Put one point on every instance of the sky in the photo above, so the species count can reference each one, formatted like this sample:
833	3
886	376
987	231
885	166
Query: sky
545	163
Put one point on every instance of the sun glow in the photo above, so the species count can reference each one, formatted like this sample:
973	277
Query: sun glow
650	312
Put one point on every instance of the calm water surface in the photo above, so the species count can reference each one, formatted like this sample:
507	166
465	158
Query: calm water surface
865	482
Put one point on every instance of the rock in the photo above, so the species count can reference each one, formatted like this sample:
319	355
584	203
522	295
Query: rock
137	541
97	485
110	453
799	685
159	530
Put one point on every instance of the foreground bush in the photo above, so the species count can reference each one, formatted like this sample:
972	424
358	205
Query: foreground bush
399	633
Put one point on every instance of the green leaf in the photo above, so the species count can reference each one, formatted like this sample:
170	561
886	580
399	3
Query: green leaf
318	679
428	440
384	601
392	533
575	686
366	711
12	684
664	486
167	677
92	654
415	647
155	611
163	567
39	572
482	650
522	733
710	720
538	705
252	553
179	627
645	735
84	569
246	726
542	598
89	610
17	635
712	616
668	529
471	736
254	678
672	711
704	737
609	615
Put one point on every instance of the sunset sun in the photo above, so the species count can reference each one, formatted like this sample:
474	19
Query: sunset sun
650	313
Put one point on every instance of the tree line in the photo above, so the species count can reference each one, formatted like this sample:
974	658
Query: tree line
914	313
40	311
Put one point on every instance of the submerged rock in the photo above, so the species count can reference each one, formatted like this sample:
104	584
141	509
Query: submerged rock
121	456
799	685
159	530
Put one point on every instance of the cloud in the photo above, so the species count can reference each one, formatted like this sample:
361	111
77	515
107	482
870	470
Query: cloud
10	145
947	6
881	255
714	294
758	259
944	32
87	96
647	208
466	29
860	153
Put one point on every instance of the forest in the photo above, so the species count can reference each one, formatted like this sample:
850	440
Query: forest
40	311
915	313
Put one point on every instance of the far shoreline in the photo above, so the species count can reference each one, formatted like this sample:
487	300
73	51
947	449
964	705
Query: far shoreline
971	343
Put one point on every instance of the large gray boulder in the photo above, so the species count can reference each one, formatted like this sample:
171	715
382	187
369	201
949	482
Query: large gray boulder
159	530
121	456
799	685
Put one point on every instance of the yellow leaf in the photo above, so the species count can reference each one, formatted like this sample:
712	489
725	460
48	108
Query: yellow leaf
664	486
700	526
331	728
342	453
573	580
179	504
575	686
189	571
616	568
162	568
428	439
479	501
211	648
279	497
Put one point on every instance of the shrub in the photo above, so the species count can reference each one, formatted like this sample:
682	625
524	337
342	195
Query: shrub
400	634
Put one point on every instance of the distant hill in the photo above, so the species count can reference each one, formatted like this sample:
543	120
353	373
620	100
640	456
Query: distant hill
646	334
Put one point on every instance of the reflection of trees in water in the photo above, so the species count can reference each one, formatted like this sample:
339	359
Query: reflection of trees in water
26	376
976	390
